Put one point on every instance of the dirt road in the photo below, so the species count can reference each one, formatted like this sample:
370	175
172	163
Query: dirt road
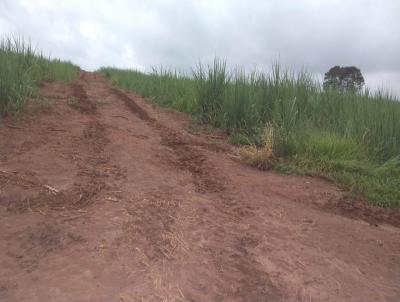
104	197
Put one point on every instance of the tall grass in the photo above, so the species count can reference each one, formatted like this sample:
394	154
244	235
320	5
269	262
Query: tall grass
348	135
165	87
22	68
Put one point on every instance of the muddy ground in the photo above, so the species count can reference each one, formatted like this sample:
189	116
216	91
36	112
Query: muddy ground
104	197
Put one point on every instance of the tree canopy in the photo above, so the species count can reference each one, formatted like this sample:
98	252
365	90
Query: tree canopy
344	78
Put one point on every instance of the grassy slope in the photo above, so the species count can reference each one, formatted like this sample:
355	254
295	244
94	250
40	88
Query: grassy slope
292	124
21	69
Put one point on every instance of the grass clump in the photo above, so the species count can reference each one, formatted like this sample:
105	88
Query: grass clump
21	70
348	164
210	89
291	123
264	156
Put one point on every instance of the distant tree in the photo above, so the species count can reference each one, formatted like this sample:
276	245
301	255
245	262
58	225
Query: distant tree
344	78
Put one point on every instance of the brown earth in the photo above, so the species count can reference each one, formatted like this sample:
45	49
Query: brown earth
104	197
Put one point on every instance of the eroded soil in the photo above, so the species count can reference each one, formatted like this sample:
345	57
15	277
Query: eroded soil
104	197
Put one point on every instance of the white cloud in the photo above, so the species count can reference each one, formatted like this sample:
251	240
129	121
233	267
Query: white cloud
386	81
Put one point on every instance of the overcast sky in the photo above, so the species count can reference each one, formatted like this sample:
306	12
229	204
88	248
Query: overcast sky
316	34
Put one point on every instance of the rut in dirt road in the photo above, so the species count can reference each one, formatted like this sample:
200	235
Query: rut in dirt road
105	197
206	179
188	157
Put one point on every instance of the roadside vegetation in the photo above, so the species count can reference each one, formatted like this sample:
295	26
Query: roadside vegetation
22	68
287	121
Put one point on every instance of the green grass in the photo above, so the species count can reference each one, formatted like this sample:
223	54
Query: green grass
351	137
347	163
165	87
21	70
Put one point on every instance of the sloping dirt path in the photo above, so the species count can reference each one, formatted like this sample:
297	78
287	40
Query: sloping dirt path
104	197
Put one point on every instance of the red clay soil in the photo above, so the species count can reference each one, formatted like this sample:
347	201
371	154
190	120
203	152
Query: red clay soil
104	197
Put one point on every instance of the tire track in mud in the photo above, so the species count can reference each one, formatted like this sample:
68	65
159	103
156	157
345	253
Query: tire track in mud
81	99
135	108
50	237
188	157
229	248
95	167
88	155
91	167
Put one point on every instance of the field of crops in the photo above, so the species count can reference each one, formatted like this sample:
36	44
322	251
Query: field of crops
22	68
288	122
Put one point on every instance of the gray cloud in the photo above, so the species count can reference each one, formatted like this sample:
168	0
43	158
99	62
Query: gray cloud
316	34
